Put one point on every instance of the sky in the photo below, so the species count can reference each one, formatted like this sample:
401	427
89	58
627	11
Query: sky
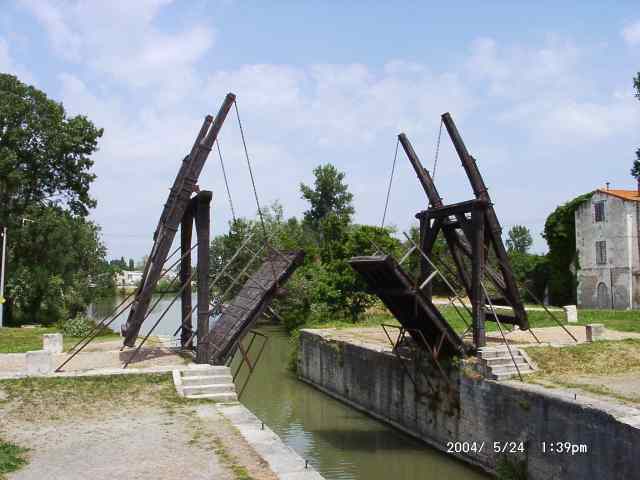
541	93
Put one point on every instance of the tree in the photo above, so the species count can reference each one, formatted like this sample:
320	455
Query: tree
132	265
560	234
330	195
58	267
44	156
519	239
45	175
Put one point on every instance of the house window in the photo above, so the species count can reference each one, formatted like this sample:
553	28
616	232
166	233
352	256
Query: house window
598	208
601	252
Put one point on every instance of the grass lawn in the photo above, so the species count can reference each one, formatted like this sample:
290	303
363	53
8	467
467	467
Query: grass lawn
12	458
622	320
597	358
19	340
592	367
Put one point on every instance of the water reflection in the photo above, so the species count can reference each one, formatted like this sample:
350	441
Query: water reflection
167	326
342	443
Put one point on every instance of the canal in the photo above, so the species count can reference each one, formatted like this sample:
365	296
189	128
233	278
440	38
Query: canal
340	442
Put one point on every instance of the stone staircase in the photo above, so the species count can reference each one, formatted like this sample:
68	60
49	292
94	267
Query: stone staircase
205	381
497	364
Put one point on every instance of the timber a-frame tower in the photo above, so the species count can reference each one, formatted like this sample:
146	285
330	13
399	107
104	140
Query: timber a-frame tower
473	235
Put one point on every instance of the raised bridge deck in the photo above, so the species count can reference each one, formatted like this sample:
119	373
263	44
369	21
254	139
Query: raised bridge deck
252	300
415	311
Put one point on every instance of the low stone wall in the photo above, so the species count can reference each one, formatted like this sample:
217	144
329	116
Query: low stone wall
474	413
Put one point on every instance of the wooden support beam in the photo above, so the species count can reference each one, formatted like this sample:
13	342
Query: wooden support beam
477	276
203	227
494	229
454	209
186	227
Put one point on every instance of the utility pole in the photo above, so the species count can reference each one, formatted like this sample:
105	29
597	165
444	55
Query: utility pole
2	267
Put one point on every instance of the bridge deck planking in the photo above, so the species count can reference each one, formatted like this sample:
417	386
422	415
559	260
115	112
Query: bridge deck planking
409	306
251	301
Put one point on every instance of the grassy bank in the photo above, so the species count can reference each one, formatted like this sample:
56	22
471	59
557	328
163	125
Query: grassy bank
593	367
19	340
12	458
621	320
57	398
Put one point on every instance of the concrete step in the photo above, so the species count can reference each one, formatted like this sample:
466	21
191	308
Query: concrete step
497	353
498	361
207	380
206	370
205	389
507	376
217	397
510	369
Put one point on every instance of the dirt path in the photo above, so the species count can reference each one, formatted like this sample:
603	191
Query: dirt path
142	432
150	445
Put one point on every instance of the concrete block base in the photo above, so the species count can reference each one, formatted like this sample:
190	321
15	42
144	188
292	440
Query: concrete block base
595	331
571	312
39	362
52	342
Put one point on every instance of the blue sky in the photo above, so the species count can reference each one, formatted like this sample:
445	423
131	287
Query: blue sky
541	92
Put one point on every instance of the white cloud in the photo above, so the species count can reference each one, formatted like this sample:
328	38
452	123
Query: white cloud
631	33
119	38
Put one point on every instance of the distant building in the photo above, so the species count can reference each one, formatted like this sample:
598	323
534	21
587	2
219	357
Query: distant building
127	278
608	247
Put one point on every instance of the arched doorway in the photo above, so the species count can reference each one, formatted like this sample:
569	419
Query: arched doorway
603	300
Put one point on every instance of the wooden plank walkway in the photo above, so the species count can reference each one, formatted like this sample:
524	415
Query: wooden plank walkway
409	305
251	301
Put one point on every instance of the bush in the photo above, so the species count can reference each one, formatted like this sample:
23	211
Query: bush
78	326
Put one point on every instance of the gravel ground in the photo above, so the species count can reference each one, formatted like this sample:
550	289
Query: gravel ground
376	338
139	433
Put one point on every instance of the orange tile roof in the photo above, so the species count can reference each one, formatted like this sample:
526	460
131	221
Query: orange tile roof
632	195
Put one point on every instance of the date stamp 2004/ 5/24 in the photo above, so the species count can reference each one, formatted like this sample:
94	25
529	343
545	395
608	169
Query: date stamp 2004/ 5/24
515	447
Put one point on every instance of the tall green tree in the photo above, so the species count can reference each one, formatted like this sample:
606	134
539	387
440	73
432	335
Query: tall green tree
519	239
57	266
329	195
45	175
45	156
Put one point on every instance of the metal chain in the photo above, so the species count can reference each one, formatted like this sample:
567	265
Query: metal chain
255	191
435	161
226	181
393	169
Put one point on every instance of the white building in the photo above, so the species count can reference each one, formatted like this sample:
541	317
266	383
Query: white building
608	249
127	278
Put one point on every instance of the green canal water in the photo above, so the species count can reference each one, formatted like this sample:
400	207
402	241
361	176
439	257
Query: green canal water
340	442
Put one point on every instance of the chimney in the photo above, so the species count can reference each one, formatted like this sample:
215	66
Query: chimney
608	183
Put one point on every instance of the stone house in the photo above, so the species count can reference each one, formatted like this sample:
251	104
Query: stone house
608	250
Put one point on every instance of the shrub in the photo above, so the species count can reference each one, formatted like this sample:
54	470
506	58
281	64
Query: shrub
78	326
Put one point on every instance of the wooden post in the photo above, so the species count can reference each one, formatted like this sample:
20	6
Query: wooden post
477	276
203	225
494	230
186	227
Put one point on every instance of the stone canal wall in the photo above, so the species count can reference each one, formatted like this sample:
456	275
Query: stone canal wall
486	423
